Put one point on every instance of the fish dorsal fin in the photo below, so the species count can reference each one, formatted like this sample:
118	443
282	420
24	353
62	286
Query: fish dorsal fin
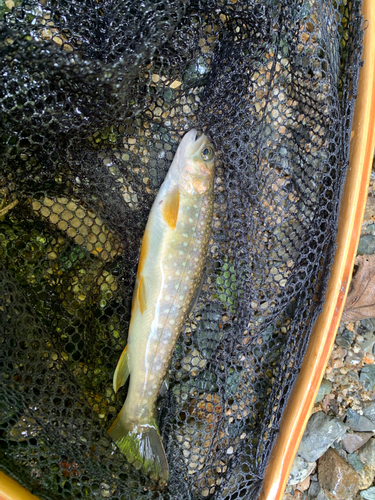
142	295
122	371
170	206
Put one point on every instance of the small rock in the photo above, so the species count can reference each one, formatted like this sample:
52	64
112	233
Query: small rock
304	485
322	495
368	323
345	339
354	358
358	422
321	431
368	494
352	442
370	208
367	377
369	411
314	489
367	453
324	389
337	478
355	462
367	475
366	245
300	470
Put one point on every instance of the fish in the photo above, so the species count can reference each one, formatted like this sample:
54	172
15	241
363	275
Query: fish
168	282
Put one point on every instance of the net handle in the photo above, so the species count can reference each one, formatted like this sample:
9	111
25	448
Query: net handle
11	490
352	208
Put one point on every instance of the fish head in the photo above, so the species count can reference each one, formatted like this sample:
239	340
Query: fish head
196	163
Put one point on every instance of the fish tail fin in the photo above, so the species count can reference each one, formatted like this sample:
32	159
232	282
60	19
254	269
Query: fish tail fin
142	446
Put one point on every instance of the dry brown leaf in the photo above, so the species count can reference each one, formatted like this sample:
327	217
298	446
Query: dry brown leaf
360	302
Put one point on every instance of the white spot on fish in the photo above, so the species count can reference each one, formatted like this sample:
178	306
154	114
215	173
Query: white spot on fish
196	259
178	273
181	252
171	321
183	264
185	244
190	219
184	235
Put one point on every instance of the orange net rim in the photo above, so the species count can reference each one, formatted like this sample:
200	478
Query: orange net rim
352	208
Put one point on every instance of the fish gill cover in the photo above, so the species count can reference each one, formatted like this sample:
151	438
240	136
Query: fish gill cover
95	97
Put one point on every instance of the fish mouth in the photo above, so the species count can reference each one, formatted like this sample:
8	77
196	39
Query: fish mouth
194	144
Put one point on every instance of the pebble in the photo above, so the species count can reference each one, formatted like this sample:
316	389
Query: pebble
367	377
355	462
314	489
324	389
367	475
367	453
301	469
368	324
354	358
345	339
369	411
321	431
358	422
352	442
368	494
336	477
366	245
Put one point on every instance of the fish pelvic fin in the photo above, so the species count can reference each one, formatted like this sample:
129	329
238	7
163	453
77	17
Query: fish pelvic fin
122	371
142	446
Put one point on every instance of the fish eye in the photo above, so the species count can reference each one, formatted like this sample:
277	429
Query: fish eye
207	153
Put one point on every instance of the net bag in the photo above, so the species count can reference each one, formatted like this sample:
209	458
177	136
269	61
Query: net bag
95	98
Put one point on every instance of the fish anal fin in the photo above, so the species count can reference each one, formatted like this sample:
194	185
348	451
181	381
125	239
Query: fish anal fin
170	207
122	371
142	295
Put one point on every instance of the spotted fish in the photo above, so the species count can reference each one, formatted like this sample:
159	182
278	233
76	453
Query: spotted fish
169	275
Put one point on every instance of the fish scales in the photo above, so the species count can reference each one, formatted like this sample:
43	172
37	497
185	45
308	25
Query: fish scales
170	269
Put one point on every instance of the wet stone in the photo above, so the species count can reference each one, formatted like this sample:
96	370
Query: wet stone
355	462
321	431
368	494
337	478
366	475
358	422
367	377
345	339
352	442
366	245
367	453
314	489
324	389
368	324
369	411
300	470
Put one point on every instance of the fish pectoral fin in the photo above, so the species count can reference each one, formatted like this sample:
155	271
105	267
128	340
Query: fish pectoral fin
142	294
194	300
122	371
170	207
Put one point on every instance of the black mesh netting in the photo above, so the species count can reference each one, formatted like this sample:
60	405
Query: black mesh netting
95	97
